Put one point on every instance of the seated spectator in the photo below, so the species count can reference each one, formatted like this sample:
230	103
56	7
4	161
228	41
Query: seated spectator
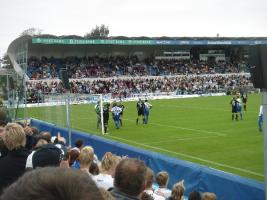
53	184
162	180
149	183
108	165
129	180
46	136
208	196
178	190
86	158
194	195
12	166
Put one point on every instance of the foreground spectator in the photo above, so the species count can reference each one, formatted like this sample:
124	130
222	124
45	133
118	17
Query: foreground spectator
178	190
129	180
108	165
53	184
86	158
13	164
162	180
194	195
149	183
209	196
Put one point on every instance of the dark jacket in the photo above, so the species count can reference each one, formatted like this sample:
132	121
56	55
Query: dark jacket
12	167
121	196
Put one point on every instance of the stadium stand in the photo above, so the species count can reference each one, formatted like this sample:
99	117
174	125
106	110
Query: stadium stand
121	76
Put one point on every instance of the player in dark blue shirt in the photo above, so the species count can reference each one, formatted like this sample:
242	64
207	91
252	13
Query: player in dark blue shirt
140	110
244	97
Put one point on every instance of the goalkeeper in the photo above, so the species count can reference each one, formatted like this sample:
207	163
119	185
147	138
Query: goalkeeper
98	115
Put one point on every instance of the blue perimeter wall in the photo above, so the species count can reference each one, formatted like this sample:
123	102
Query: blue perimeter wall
197	177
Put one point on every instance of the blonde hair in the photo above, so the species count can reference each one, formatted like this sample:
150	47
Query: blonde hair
178	190
86	156
162	178
209	196
109	162
14	137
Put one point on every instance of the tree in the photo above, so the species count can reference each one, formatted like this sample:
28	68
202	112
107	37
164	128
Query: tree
101	31
31	32
5	62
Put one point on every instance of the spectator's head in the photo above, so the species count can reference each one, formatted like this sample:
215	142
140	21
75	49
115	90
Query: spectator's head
53	184
47	155
86	157
178	191
149	178
194	195
109	163
162	179
130	176
74	155
79	144
14	136
46	136
94	169
209	196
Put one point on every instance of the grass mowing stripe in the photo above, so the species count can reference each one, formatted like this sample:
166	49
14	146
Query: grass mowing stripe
189	156
178	139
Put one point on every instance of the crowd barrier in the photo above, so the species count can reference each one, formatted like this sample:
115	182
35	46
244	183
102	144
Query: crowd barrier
197	177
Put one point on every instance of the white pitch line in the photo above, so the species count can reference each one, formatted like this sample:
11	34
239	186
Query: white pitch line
184	128
192	157
199	108
182	139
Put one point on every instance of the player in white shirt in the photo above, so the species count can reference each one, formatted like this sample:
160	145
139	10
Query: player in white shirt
116	112
260	119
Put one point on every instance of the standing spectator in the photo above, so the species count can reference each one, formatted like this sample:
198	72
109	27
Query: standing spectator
12	166
129	180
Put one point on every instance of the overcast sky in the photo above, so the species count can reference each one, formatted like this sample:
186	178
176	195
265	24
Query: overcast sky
134	17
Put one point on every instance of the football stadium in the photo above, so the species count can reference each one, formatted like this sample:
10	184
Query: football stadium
185	106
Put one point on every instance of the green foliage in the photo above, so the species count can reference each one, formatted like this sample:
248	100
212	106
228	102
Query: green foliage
101	31
199	130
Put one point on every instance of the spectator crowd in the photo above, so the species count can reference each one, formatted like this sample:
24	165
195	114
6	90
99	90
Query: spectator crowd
123	88
97	67
34	165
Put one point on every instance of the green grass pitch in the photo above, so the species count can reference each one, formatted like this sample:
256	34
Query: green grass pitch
199	130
